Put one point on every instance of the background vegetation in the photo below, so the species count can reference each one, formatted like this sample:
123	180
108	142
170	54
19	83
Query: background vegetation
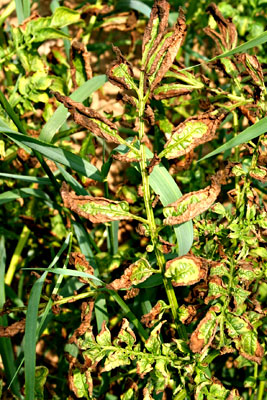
133	299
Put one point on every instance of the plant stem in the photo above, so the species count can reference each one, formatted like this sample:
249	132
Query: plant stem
149	210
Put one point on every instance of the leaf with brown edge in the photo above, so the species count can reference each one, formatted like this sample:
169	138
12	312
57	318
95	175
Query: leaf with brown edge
160	59
155	314
191	204
227	38
81	264
191	133
136	273
120	72
90	119
125	21
130	155
259	173
96	209
186	270
13	329
155	28
249	347
204	334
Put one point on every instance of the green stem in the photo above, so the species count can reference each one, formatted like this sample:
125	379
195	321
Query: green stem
149	210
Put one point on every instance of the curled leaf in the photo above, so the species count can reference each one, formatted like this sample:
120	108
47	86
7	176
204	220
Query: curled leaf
81	264
259	173
90	119
203	335
125	21
96	209
154	315
159	45
191	204
133	275
227	38
249	347
186	270
191	133
120	72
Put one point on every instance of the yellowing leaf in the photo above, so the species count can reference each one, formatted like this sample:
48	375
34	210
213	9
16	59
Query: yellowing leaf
186	270
190	134
96	209
191	204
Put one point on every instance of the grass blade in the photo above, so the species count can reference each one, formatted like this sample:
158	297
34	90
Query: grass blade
135	5
25	178
61	114
11	195
57	154
76	186
19	11
257	41
6	350
165	186
26	8
31	327
248	134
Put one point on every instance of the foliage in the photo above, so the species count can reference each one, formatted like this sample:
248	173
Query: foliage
144	292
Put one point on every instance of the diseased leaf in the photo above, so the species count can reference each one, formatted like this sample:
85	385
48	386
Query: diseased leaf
126	335
104	337
203	335
155	314
186	270
191	204
236	326
249	346
144	365
127	155
96	209
191	133
133	275
78	384
153	343
259	173
120	72
64	16
90	119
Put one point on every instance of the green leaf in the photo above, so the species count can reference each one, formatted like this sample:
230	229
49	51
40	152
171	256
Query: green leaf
115	360
181	141
61	114
135	5
184	270
48	34
248	134
104	337
80	386
165	186
235	325
57	154
40	379
64	16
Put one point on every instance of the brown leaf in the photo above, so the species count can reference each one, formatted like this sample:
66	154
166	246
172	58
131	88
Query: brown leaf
12	330
171	93
155	161
199	342
80	48
160	9
259	173
136	273
115	80
253	67
80	263
166	247
191	204
149	114
124	22
150	318
75	203
131	293
169	49
86	316
257	356
89	119
227	38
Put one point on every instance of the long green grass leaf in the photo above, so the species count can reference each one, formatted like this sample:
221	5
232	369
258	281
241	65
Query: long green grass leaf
248	134
61	114
6	350
165	186
135	5
76	186
57	154
26	8
11	113
11	195
19	11
25	178
257	41
31	327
